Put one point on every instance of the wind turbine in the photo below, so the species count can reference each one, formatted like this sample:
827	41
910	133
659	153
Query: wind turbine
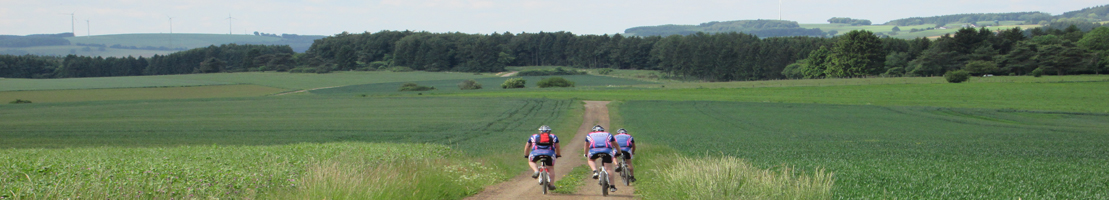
72	23
779	10
88	29
229	19
170	31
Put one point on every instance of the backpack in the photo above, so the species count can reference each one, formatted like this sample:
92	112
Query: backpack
544	140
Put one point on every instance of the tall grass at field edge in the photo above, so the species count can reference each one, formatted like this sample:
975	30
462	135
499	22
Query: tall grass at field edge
665	174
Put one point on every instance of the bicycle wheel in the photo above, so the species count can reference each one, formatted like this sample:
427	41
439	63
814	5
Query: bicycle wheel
545	181
624	172
604	183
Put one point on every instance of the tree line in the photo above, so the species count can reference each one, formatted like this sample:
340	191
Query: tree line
1076	49
978	51
223	58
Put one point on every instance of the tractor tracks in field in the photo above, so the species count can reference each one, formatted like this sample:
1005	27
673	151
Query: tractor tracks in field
524	187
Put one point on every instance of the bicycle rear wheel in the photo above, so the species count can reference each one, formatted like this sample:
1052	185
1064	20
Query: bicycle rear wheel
545	181
604	184
624	172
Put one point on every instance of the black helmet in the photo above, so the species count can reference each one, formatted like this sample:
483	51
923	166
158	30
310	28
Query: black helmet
598	128
622	131
545	129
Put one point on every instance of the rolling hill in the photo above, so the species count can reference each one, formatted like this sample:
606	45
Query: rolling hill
149	44
925	26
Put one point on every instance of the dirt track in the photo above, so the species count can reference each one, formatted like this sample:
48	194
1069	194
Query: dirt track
524	187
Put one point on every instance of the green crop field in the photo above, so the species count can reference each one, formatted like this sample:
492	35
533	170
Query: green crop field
18	84
218	91
491	83
271	79
266	147
879	152
1065	96
273	120
310	81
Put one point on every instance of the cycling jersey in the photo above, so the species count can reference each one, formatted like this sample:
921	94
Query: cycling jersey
540	149
625	141
599	142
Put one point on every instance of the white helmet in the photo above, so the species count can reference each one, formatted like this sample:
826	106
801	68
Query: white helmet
598	128
622	131
545	129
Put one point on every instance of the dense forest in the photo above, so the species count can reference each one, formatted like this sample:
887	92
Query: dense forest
761	27
223	58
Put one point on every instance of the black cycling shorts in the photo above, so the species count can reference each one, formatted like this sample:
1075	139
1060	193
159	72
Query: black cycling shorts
626	155
536	159
605	158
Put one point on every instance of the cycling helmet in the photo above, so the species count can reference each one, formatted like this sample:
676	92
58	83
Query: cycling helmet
545	129
598	128
622	131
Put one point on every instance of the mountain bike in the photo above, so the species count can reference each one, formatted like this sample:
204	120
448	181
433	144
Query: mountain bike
602	173
544	172
622	164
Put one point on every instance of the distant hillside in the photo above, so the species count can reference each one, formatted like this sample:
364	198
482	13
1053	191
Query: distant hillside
139	44
194	40
761	28
906	28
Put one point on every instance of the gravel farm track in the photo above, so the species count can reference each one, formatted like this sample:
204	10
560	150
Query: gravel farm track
524	187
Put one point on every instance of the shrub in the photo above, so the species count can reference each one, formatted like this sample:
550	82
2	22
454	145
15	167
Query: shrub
1037	72
604	71
555	82
19	101
957	76
513	83
469	85
414	87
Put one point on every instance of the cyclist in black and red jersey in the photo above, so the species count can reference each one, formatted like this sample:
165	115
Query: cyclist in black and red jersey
543	143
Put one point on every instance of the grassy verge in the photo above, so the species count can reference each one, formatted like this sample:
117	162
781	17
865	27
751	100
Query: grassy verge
297	171
570	183
664	174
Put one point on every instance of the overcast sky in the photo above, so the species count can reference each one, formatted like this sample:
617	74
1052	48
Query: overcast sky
328	17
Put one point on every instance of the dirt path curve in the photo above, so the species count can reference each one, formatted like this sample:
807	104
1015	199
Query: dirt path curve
507	74
299	91
524	187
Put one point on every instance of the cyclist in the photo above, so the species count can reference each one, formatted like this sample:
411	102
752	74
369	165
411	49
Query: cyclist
600	141
543	143
627	148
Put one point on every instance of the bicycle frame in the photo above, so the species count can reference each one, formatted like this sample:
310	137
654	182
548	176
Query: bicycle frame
603	173
544	173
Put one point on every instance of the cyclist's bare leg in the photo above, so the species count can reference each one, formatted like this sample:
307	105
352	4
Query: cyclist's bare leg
592	164
534	167
608	168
